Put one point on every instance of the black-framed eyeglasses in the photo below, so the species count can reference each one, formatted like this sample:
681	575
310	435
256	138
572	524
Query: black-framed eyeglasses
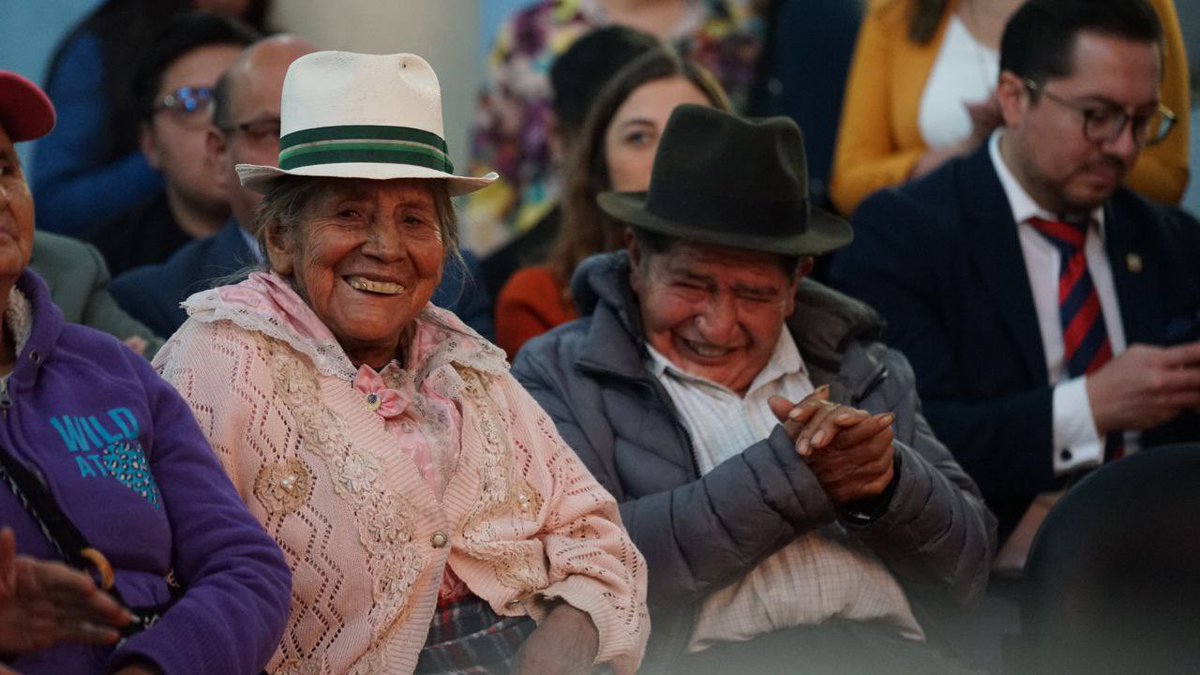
257	131
185	100
1106	123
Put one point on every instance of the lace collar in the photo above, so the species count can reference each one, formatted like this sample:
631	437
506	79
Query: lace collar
266	303
18	318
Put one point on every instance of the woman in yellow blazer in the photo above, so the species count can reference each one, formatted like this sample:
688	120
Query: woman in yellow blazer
880	142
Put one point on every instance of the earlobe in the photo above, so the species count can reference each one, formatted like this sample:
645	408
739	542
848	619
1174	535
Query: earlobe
635	261
805	269
281	263
279	257
1011	95
216	149
147	145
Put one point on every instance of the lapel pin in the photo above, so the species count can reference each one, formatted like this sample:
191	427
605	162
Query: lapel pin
1133	263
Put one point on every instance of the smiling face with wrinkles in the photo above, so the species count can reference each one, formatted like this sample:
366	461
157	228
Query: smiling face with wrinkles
366	256
713	311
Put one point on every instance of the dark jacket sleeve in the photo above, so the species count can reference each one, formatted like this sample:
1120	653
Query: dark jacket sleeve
150	295
915	272
76	191
936	530
463	292
702	533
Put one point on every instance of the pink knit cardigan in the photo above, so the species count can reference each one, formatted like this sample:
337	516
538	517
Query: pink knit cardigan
521	521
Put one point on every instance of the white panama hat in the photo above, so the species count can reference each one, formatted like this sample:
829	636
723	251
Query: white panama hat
347	115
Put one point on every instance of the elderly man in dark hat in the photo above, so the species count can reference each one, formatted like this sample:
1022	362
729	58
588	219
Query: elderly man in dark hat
777	534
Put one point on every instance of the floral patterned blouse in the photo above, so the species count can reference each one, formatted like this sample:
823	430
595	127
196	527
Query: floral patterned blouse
509	132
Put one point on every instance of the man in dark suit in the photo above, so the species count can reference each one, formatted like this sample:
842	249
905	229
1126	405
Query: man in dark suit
245	129
1050	314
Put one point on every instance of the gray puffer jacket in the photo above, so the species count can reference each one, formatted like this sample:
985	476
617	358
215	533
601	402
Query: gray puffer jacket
699	533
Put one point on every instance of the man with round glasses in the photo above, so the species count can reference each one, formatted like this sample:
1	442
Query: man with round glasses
1106	123
1052	316
243	128
173	89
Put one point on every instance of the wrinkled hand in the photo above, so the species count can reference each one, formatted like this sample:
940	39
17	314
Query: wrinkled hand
565	642
43	603
1144	387
848	450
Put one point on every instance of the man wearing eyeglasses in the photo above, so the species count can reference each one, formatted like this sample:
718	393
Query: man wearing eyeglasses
1051	315
173	90
243	129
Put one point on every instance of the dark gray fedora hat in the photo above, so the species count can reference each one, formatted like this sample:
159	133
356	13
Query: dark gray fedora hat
721	179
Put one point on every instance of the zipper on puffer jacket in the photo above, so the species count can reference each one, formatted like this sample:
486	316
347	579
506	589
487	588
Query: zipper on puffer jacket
869	388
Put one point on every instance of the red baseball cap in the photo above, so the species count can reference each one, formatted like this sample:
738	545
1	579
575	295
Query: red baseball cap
25	111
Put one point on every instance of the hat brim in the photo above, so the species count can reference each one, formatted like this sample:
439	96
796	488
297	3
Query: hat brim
259	178
825	232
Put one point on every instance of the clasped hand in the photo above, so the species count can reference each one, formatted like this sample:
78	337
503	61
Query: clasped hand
848	450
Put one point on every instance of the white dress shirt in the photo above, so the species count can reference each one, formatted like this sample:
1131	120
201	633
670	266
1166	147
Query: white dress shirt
1077	443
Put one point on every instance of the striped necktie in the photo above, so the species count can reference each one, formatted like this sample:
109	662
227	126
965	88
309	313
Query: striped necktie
1085	339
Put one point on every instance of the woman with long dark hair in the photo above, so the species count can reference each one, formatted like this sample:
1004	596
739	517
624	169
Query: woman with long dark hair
614	151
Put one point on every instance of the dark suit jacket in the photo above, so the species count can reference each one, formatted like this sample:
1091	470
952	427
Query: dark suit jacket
940	259
147	236
77	278
152	293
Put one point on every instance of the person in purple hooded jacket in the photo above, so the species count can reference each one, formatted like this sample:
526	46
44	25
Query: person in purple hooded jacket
102	466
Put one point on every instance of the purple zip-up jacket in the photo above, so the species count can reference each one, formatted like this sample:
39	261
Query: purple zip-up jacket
88	415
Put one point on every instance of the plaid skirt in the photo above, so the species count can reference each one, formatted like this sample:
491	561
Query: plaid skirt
468	638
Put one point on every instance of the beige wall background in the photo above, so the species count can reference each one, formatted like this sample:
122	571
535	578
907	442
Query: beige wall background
444	32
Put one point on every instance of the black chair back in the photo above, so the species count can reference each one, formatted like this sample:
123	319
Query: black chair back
1112	584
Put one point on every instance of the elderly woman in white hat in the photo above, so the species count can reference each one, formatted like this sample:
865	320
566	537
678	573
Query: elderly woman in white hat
428	508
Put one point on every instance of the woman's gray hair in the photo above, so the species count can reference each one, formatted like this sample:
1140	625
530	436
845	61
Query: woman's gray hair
284	205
